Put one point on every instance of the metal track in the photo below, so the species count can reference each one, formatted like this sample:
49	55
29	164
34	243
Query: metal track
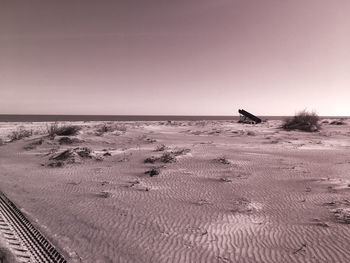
27	242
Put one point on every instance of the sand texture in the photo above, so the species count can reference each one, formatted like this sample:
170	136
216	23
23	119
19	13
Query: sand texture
216	191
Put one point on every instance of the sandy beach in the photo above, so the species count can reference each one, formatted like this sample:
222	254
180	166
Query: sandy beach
215	191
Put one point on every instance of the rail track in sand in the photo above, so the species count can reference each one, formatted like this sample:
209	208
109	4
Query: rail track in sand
24	240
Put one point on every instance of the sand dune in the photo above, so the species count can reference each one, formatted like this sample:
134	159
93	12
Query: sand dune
240	193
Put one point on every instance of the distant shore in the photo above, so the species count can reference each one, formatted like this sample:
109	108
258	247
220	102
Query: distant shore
42	118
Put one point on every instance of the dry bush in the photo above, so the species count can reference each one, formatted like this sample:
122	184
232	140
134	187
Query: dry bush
34	144
167	158
160	148
20	134
338	122
66	130
223	160
67	140
303	121
154	171
110	128
181	151
150	160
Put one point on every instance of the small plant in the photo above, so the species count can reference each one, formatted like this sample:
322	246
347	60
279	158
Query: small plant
160	148
223	160
120	127
20	134
251	133
104	128
56	164
66	130
150	160
150	140
181	151
154	171
339	122
65	140
167	158
304	121
342	215
33	144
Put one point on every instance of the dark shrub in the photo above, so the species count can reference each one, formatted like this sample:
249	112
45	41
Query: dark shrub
160	148
54	130
65	140
33	144
150	160
68	130
181	151
340	122
303	121
223	160
153	172
167	158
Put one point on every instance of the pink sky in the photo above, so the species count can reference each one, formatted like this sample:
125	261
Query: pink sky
186	57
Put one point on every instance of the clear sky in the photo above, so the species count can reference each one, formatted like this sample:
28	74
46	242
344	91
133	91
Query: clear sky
181	57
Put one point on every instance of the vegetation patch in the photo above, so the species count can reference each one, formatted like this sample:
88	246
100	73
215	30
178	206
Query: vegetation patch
33	144
73	156
338	122
66	140
223	160
153	172
150	160
303	121
180	151
20	134
342	215
160	148
66	130
168	158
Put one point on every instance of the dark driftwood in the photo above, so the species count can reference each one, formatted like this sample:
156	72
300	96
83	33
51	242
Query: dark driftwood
246	115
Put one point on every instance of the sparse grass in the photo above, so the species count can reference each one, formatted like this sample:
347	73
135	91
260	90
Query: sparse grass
152	172
338	122
342	215
303	121
181	151
150	140
223	160
33	144
111	128
66	130
65	140
20	134
160	148
104	128
150	160
251	133
167	158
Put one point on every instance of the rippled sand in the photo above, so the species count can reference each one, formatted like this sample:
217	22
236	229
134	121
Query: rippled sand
243	193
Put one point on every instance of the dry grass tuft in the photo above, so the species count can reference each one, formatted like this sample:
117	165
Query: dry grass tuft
20	134
338	122
66	130
153	172
160	148
168	158
303	121
150	160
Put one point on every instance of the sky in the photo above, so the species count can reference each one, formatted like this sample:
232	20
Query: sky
174	57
